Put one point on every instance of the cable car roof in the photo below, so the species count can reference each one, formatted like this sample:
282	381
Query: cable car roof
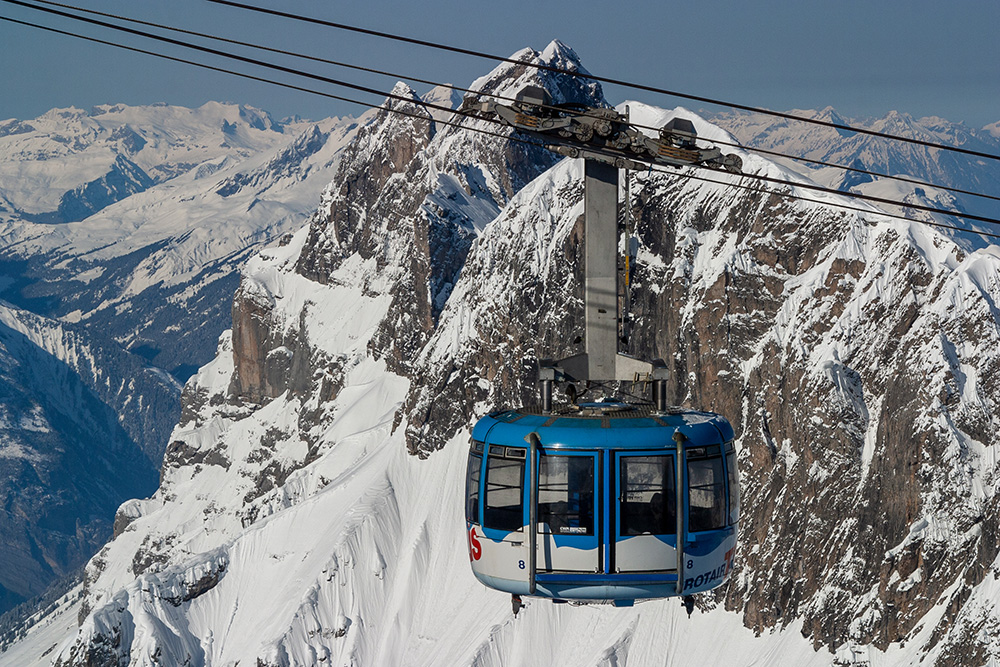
603	426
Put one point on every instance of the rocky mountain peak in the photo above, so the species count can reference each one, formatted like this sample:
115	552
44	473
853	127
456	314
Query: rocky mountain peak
416	237
259	119
507	79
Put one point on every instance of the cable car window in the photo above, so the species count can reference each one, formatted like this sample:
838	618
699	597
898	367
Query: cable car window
648	495
707	499
734	488
504	481
472	488
566	495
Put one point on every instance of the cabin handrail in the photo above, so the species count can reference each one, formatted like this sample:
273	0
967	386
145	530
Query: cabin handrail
681	457
533	444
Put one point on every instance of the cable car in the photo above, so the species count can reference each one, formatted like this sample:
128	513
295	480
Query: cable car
581	502
602	501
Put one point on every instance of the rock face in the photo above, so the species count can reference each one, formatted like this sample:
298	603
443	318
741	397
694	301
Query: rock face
408	199
310	503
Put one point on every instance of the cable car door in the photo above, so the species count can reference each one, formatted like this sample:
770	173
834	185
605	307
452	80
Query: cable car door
568	530
645	512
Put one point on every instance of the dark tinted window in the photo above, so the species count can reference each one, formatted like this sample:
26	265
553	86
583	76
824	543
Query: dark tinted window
734	488
504	481
566	495
648	495
707	499
472	488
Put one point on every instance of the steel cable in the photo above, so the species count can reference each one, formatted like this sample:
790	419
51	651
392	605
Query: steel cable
602	79
430	82
480	130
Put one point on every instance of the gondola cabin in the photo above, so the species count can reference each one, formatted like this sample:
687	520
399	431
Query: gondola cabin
602	501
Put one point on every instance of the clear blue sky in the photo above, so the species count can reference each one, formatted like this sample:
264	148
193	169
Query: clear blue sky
861	57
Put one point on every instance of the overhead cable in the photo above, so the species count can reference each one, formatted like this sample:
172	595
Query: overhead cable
268	49
515	139
602	79
224	54
405	77
302	89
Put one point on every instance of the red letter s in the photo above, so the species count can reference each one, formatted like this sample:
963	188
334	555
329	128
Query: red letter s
475	548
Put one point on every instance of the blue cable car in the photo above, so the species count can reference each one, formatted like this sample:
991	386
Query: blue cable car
581	502
604	500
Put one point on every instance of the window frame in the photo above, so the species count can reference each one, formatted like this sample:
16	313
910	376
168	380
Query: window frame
544	516
718	510
473	489
491	512
667	488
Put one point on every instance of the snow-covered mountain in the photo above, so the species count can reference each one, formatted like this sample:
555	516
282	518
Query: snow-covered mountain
310	506
893	158
135	220
68	455
127	225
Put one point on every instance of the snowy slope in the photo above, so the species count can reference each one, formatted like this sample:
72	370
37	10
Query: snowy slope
37	644
63	150
310	504
151	268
